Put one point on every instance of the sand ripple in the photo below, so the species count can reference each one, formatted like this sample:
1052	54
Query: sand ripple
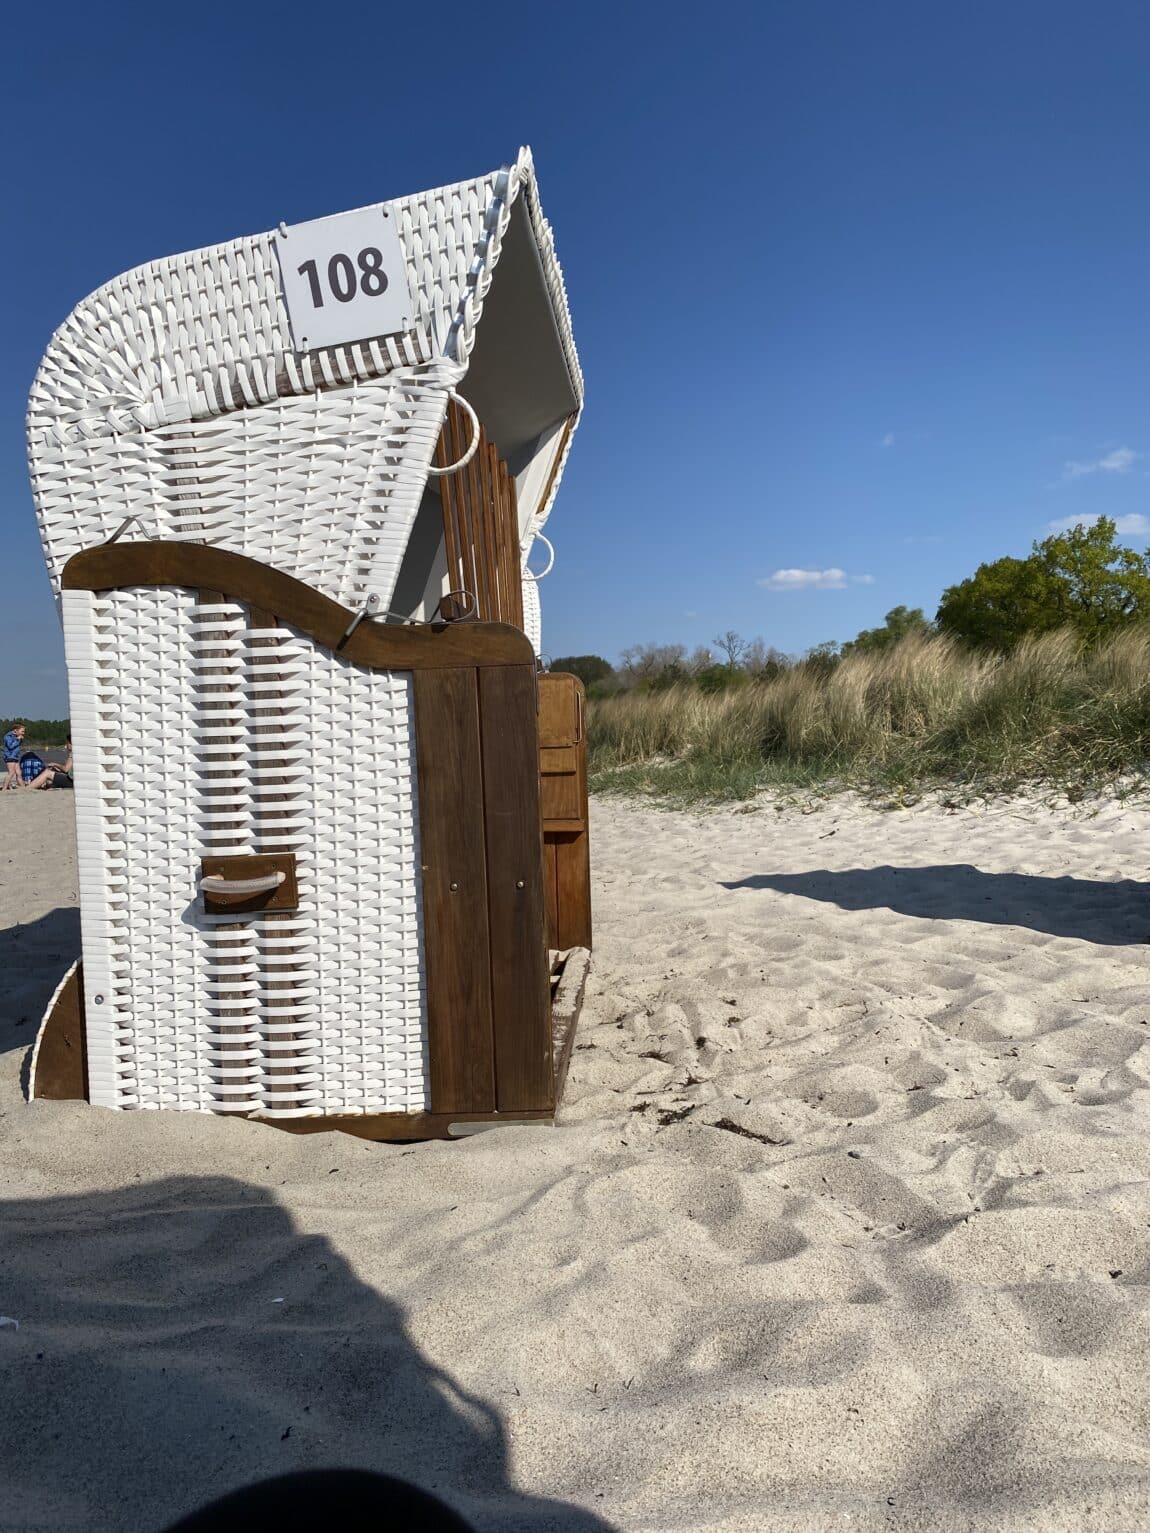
848	1223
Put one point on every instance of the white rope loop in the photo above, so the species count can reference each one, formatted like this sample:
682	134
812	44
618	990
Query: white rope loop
530	574
453	468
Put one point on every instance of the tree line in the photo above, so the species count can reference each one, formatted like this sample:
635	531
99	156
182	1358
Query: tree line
1082	580
50	732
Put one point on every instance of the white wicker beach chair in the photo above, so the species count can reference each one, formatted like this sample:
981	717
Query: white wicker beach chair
232	521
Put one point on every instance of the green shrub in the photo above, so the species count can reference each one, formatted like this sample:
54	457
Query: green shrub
1056	711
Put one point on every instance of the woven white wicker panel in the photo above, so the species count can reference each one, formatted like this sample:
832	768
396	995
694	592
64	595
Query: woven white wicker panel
532	615
138	858
205	336
206	332
318	1011
325	487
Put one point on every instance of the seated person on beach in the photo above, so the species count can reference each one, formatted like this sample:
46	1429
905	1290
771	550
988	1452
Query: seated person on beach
37	773
13	740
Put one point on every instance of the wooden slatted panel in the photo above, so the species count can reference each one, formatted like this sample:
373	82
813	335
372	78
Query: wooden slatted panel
551	891
563	787
572	855
480	524
480	533
452	536
485	520
456	528
519	968
455	899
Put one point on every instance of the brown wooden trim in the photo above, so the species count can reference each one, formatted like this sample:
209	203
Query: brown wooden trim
455	913
561	448
566	1005
60	1065
519	971
514	615
572	888
451	447
550	891
479	486
472	564
379	646
563	776
480	523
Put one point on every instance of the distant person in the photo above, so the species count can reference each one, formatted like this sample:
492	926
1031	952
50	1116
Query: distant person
13	740
35	772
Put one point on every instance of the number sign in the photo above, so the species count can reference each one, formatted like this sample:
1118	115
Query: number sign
344	278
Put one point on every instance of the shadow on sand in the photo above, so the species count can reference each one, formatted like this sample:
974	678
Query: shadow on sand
34	957
1113	914
180	1339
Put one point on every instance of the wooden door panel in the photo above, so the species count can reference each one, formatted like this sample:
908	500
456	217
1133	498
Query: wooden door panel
516	901
455	904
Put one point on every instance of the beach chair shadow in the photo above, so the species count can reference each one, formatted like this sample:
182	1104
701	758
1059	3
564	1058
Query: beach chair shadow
1113	914
180	1339
34	956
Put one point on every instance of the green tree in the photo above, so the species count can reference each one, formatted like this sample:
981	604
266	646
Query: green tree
898	623
822	659
1080	579
40	731
590	669
719	678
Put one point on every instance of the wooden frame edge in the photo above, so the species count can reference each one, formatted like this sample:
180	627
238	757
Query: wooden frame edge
378	646
59	1068
566	1008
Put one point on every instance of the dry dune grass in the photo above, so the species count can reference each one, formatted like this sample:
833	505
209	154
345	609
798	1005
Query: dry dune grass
925	711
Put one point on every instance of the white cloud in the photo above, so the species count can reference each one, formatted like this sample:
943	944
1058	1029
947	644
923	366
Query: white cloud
888	440
1117	462
812	580
1133	526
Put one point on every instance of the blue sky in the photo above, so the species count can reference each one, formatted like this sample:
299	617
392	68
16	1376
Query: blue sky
859	288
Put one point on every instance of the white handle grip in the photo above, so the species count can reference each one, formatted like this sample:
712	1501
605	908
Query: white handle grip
215	883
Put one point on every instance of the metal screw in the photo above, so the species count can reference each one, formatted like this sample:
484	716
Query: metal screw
453	887
99	1000
519	884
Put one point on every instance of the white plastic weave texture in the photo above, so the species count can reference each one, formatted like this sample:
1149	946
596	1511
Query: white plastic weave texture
178	382
316	1012
173	396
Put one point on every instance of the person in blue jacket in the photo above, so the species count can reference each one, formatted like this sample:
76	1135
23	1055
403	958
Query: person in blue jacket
13	740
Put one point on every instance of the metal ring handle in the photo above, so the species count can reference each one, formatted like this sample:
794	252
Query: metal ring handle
453	468
215	883
530	574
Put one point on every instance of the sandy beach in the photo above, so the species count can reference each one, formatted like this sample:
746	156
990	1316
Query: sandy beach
846	1224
